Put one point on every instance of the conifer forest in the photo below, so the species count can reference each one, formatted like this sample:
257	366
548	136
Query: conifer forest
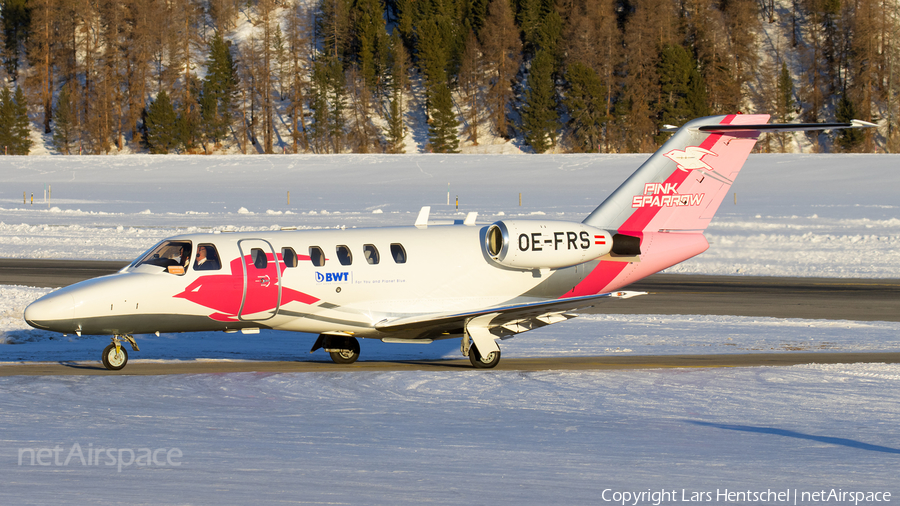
366	76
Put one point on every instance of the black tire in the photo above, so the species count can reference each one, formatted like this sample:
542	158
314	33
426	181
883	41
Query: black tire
493	359
111	361
348	354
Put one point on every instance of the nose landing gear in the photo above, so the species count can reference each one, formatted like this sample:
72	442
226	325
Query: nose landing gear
114	356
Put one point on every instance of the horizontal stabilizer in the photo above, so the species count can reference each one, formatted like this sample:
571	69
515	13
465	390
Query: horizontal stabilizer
775	127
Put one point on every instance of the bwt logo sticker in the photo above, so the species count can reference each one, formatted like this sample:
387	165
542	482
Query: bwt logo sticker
332	277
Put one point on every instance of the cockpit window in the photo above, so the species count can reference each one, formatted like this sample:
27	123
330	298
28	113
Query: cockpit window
171	255
207	258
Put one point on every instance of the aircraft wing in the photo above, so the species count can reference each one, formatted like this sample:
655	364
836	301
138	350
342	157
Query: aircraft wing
514	318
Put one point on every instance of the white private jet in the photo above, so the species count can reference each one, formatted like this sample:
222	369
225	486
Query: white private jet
424	282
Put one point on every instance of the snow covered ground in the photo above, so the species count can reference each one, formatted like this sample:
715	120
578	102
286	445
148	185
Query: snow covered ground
795	215
454	437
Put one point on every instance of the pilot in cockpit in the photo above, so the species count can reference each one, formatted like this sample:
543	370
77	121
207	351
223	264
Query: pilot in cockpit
206	261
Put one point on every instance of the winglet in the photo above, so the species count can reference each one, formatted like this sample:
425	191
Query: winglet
626	294
858	123
422	219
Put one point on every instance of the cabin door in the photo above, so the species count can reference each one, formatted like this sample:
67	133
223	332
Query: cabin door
262	281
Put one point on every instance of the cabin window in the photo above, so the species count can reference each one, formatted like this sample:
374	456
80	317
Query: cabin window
370	252
316	256
289	256
258	256
172	256
399	253
207	258
344	255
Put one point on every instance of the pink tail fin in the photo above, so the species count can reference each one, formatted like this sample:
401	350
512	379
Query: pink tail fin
658	215
680	187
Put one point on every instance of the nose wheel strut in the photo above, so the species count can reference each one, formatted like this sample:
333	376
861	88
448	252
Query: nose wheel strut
114	356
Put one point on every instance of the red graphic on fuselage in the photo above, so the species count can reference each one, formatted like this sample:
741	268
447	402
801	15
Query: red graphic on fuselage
690	159
223	292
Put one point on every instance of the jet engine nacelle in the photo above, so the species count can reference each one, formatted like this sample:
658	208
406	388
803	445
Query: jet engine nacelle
533	244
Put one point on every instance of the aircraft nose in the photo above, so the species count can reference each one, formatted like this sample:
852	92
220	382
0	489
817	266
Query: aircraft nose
51	311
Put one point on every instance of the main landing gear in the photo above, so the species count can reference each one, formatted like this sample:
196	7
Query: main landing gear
114	356
487	361
343	349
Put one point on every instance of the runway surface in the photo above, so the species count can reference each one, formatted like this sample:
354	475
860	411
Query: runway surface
138	368
808	298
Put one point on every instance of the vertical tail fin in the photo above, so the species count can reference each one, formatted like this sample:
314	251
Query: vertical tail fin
670	200
680	187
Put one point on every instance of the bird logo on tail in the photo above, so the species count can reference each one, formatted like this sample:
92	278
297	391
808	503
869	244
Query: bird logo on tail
691	158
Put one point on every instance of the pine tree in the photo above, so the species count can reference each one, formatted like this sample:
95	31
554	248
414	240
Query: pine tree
471	72
334	27
337	96
399	81
16	19
433	55
39	46
540	118
528	18
369	42
585	102
549	35
318	129
218	91
442	132
7	119
784	103
849	139
64	130
683	91
21	131
395	133
329	96
15	134
161	124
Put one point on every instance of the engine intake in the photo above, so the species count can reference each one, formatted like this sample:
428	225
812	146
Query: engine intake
533	244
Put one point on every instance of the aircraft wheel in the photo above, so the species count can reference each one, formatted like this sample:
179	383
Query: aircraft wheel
111	360
349	354
480	362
